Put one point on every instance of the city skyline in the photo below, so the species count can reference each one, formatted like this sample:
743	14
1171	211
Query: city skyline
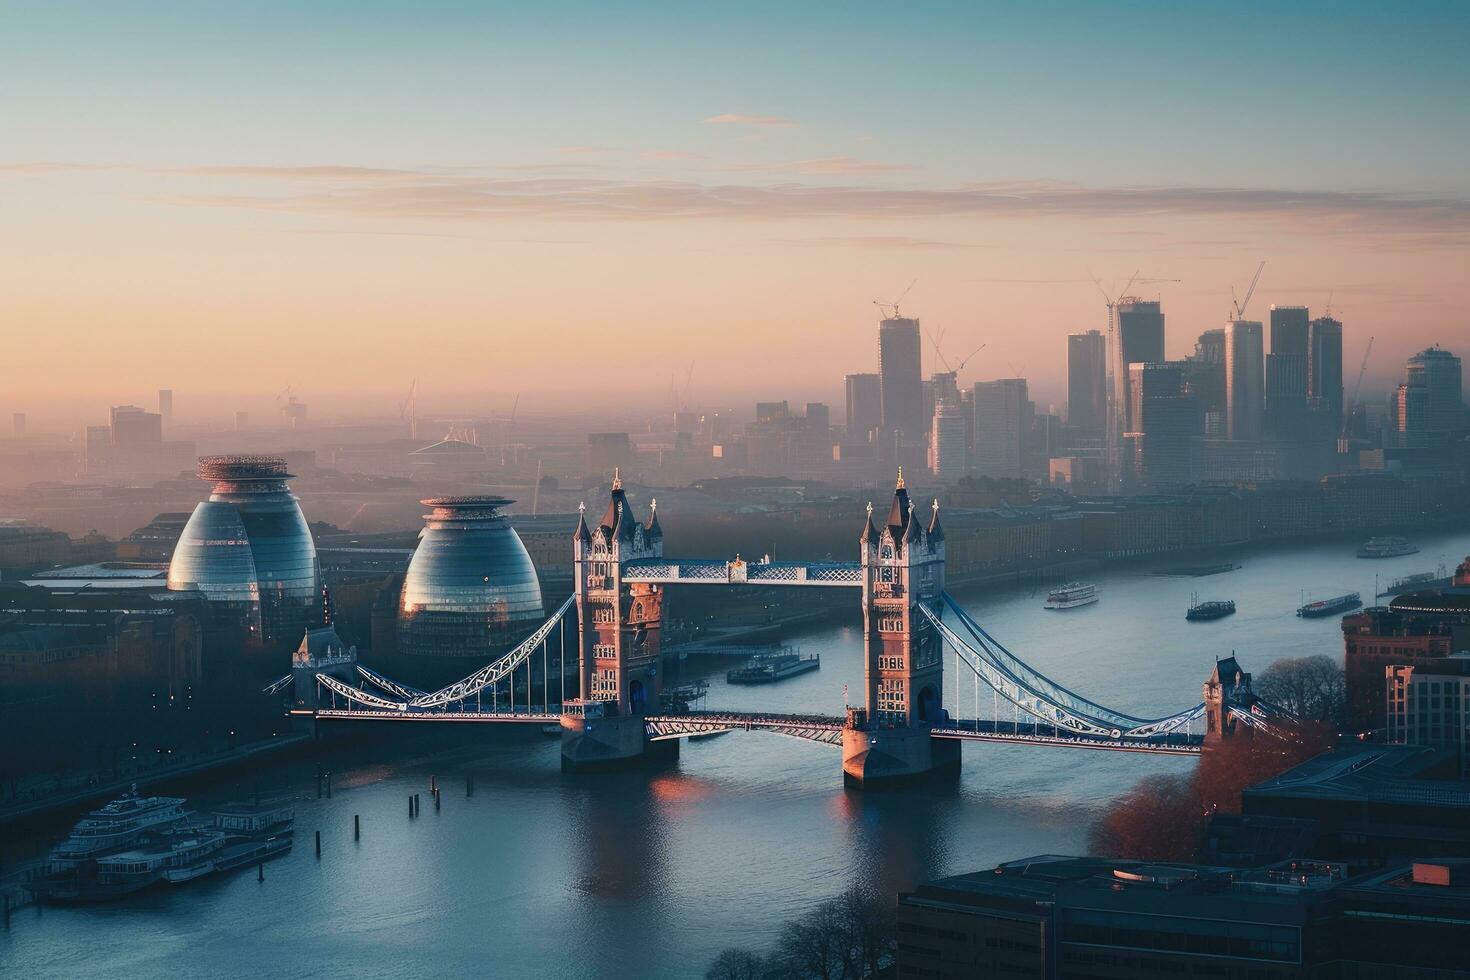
505	212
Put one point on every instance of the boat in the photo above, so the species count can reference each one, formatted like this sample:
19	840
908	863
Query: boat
113	827
1387	547
1200	571
1210	609
1071	595
776	667
178	854
1417	581
1330	607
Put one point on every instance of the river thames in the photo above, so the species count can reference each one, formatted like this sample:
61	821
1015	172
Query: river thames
650	875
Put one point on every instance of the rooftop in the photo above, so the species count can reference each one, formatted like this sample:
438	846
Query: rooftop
1369	773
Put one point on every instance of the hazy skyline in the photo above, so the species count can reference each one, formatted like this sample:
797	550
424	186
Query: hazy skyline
228	200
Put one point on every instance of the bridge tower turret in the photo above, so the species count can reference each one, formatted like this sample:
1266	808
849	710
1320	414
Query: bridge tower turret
1226	688
887	740
618	632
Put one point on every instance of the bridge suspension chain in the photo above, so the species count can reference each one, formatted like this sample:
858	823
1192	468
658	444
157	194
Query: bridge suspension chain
388	684
357	695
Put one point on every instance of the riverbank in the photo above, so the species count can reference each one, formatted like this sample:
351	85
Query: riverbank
111	788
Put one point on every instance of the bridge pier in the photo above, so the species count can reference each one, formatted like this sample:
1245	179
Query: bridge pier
883	757
594	742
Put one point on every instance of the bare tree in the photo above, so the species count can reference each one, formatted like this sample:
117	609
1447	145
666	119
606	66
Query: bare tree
740	964
1312	688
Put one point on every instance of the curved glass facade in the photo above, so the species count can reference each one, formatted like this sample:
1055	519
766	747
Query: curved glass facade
249	543
471	589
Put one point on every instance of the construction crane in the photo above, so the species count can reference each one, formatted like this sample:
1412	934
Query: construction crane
1239	308
1347	415
890	310
953	369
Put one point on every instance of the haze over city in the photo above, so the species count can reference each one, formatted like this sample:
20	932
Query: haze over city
346	197
761	491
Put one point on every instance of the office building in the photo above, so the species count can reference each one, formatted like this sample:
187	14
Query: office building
1206	375
1167	420
135	429
471	591
1287	374
1438	373
166	405
864	406
1430	705
1140	328
901	380
948	458
1410	416
1245	394
1324	371
1087	399
18	424
1001	417
769	411
248	549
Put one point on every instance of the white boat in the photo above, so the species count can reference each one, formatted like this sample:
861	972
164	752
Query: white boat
1071	595
1387	547
117	825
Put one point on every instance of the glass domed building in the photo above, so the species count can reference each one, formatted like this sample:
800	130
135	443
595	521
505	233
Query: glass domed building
471	591
248	549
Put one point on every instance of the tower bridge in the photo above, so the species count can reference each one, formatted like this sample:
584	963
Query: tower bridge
620	714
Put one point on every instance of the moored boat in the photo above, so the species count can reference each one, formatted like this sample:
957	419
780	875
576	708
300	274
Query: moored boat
768	670
1071	595
1329	607
1210	609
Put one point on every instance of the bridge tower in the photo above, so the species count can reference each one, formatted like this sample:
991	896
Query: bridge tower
1226	688
618	630
887	740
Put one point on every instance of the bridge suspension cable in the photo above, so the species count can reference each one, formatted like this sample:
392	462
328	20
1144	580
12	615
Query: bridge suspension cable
494	672
358	695
388	684
1012	679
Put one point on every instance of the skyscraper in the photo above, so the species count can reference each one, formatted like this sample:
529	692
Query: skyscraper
948	459
864	406
1286	374
1087	399
1438	372
166	405
1140	325
1207	380
1000	416
1324	371
902	380
1167	419
1245	394
135	429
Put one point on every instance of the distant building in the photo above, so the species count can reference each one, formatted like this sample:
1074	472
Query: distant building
1287	374
1324	371
607	451
1206	374
1166	418
1140	330
1087	400
166	405
902	385
1000	424
133	428
1245	394
18	424
767	411
948	459
1438	373
864	406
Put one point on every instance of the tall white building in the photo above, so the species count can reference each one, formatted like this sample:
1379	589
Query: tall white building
948	455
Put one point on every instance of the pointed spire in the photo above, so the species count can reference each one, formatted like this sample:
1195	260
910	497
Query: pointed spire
870	533
899	484
936	533
582	533
911	529
617	483
651	528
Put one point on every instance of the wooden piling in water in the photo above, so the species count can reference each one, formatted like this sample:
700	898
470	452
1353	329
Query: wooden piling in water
318	844
357	826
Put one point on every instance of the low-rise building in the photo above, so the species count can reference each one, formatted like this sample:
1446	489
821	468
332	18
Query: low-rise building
1430	705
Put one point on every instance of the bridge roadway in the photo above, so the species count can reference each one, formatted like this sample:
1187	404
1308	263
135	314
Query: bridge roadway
826	729
696	571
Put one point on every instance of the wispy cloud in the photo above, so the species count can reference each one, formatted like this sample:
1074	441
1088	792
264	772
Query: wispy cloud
743	119
674	155
894	242
838	166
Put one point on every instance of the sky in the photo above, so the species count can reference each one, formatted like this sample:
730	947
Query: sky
579	202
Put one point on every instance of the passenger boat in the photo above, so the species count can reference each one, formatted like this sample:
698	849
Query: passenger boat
776	667
120	823
1330	607
1211	609
178	854
1071	595
1387	547
1419	580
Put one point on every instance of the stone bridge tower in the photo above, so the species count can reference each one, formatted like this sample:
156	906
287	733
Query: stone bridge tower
1227	687
887	740
618	631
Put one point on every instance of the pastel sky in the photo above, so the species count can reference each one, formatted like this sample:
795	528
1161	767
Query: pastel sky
228	198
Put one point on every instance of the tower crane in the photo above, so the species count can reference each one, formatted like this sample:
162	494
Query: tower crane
1239	308
890	310
1347	415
